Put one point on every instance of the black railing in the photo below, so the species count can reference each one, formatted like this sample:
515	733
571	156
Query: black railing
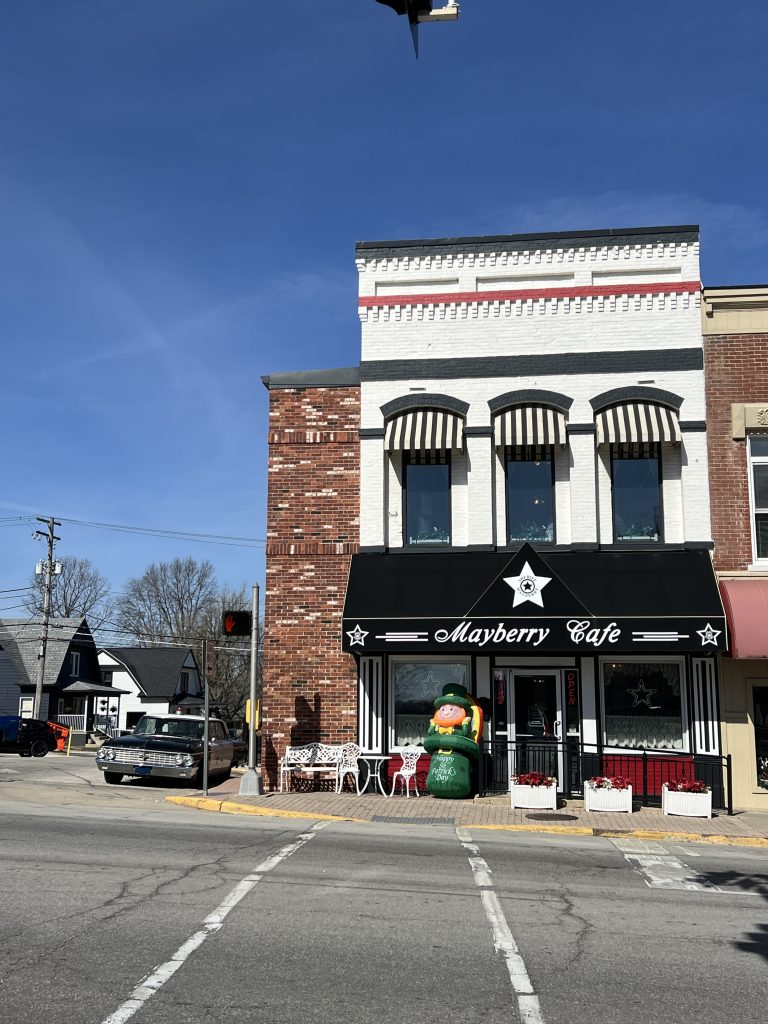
571	762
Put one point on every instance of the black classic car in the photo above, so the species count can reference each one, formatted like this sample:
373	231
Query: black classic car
28	737
169	746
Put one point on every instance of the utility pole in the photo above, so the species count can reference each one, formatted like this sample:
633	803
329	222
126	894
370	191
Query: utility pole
49	570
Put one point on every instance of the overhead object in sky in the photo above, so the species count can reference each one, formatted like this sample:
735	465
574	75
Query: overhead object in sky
420	12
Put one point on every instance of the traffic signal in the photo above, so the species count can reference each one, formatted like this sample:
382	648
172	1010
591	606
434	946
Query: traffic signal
420	11
237	623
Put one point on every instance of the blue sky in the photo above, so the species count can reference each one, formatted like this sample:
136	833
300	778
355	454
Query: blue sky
182	183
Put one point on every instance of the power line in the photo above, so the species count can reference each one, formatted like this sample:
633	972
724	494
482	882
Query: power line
163	532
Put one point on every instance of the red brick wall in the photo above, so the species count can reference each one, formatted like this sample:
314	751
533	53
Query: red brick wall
313	517
736	370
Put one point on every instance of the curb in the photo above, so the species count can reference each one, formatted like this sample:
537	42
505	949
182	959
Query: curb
202	803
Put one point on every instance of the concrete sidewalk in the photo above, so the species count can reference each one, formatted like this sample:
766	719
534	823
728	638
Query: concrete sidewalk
744	828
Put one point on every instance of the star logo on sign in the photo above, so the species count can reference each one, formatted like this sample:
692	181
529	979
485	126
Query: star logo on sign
709	635
642	695
357	636
527	586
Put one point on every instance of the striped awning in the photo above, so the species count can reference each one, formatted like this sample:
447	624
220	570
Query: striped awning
524	425
637	423
425	430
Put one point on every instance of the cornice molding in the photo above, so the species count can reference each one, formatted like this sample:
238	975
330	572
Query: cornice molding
428	257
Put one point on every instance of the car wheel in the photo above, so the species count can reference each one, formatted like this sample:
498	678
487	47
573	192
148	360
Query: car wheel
38	748
112	778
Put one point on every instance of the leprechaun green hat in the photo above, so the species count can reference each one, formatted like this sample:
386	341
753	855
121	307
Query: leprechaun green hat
454	693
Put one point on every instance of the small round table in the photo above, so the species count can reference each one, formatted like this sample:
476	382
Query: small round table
375	761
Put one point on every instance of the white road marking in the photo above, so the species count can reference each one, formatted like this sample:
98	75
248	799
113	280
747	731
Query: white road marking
212	923
503	939
659	869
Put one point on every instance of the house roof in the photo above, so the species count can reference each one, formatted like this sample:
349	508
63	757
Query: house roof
20	638
155	669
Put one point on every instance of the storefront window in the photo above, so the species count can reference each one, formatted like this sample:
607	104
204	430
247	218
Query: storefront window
415	686
758	456
636	496
760	722
643	705
530	505
427	498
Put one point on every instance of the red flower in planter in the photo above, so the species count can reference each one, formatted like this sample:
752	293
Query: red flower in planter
687	786
533	779
610	782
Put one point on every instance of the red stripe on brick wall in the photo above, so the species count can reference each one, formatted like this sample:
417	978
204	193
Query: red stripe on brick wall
517	295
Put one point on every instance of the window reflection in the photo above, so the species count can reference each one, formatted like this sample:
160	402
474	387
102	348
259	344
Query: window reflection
427	491
530	514
636	497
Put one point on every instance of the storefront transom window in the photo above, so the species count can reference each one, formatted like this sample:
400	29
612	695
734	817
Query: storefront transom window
415	685
643	705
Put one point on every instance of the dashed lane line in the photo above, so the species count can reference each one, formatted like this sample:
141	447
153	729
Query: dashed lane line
212	924
504	941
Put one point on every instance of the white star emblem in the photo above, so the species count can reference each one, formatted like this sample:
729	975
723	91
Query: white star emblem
527	586
642	695
709	635
357	636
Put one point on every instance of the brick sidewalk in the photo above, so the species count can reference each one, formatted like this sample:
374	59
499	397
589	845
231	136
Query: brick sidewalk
488	811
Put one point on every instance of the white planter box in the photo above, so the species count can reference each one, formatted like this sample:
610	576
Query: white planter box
691	805
534	796
607	799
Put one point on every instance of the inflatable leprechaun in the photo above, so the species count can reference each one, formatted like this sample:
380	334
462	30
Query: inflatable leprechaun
453	739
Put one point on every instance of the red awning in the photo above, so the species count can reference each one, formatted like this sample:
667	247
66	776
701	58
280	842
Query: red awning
746	609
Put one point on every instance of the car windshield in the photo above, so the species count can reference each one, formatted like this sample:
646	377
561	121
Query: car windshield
188	728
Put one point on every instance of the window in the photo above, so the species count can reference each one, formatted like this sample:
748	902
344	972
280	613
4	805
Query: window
760	724
636	477
74	663
643	705
427	498
184	681
758	474
106	676
415	685
530	499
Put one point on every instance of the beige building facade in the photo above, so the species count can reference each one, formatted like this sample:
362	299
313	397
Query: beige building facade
735	330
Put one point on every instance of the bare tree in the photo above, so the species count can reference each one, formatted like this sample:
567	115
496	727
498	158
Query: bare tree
80	589
171	599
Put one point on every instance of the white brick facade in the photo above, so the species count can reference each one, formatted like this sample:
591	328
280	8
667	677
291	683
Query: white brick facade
577	320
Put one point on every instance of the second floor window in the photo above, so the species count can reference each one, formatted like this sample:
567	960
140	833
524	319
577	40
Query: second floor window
427	498
636	478
74	663
758	458
530	499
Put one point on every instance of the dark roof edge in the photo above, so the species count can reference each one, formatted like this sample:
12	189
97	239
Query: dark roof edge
546	240
338	377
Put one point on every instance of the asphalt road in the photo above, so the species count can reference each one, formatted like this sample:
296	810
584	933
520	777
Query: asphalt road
277	921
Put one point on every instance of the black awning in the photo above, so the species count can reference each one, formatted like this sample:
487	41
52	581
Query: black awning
554	602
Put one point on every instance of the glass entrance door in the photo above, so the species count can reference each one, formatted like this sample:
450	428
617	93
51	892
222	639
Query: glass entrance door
536	723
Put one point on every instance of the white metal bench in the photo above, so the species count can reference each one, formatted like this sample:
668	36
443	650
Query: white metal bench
313	758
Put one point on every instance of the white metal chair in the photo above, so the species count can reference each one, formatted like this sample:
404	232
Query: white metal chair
348	765
407	771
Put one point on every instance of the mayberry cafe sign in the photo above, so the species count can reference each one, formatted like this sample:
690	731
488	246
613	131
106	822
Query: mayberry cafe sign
524	623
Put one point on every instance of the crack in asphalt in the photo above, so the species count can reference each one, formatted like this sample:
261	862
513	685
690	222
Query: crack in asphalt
581	935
